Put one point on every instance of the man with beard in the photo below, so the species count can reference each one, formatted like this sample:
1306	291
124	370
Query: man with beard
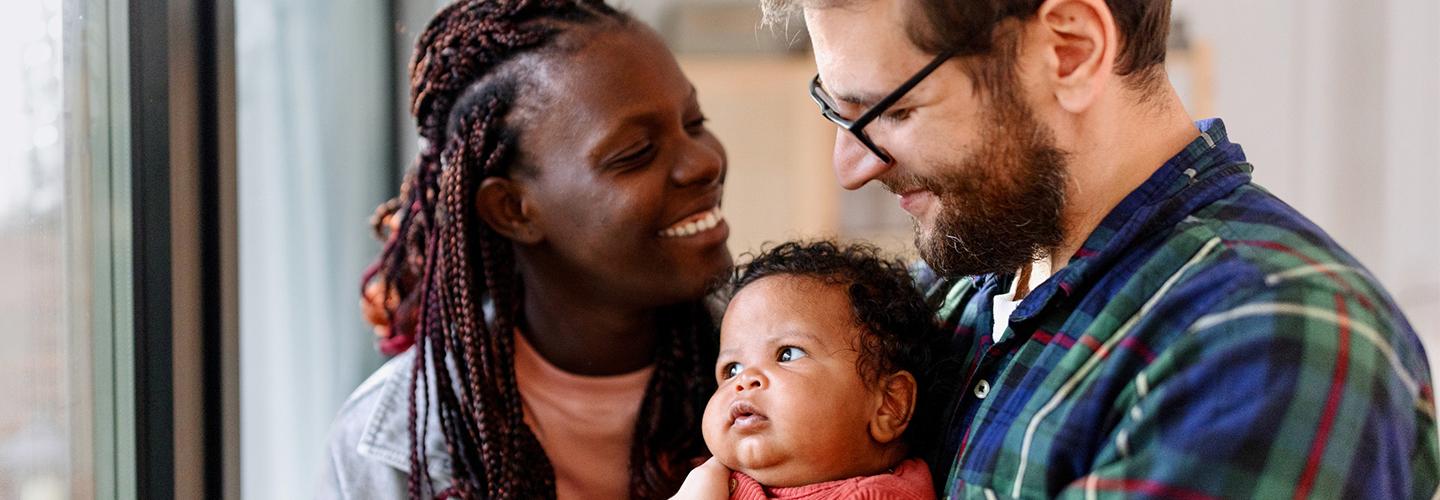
1132	316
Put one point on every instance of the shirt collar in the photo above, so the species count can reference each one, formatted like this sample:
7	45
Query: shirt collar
1207	169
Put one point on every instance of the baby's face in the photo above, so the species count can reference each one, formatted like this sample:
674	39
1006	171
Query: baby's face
791	407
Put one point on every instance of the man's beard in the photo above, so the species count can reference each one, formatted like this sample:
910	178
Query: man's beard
1001	207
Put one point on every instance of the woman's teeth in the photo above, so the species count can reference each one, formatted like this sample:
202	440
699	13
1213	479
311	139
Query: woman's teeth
694	224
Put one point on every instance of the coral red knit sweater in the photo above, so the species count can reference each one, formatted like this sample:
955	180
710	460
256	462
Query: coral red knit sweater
909	481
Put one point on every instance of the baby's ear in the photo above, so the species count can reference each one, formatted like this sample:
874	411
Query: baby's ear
897	407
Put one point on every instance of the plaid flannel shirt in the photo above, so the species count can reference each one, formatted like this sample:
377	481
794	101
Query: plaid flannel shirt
1207	341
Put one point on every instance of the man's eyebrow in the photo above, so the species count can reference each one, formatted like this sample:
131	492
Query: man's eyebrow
862	99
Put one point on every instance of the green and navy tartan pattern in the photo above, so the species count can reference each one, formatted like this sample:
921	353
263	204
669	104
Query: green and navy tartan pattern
1207	341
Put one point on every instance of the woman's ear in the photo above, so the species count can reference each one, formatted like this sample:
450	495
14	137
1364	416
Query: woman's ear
1078	41
502	204
897	407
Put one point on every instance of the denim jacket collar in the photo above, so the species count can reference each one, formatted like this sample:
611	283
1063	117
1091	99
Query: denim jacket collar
386	435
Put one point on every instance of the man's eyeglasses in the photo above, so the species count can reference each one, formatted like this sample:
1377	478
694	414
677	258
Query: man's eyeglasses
856	127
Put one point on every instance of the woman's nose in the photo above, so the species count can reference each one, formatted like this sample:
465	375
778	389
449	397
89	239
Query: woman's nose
854	163
702	163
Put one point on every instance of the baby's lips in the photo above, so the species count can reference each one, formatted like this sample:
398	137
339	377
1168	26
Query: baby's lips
742	407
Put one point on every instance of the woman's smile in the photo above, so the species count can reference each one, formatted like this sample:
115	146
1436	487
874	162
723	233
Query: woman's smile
695	224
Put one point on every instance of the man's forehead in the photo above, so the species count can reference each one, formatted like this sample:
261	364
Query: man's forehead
861	48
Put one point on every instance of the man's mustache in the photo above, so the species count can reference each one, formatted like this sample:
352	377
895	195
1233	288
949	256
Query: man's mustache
901	183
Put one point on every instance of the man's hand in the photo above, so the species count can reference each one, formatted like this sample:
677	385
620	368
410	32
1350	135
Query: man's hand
709	481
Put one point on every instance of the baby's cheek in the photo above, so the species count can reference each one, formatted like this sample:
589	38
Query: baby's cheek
712	429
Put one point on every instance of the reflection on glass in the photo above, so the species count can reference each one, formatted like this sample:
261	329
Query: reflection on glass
44	431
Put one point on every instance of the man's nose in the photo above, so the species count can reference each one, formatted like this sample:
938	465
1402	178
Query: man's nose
854	163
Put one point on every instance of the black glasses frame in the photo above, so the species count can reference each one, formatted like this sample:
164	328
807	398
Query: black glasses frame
856	127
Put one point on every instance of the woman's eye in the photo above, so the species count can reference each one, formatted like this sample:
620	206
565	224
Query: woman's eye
730	370
791	354
697	125
635	158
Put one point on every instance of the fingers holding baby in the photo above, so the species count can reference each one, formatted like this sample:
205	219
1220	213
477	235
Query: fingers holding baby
822	353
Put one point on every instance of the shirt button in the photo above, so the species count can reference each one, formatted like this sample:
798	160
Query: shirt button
982	389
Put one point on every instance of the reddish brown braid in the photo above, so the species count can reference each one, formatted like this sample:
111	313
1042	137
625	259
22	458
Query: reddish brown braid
446	267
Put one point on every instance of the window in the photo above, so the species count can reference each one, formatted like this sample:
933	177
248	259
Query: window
46	440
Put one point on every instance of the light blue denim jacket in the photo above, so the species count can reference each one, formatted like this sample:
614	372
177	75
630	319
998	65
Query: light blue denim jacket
369	450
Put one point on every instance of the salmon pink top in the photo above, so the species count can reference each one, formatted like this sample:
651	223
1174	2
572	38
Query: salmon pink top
585	423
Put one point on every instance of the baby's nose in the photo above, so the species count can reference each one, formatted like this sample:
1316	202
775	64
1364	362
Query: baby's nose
749	380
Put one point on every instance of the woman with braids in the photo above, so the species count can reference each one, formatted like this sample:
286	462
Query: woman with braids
545	270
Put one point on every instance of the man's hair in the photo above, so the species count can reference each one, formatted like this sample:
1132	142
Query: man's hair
979	28
900	332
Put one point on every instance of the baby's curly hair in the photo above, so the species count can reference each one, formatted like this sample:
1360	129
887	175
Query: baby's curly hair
900	332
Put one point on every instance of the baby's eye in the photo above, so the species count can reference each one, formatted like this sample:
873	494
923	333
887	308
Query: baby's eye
730	370
790	353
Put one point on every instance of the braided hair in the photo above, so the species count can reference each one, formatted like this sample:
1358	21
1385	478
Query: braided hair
451	283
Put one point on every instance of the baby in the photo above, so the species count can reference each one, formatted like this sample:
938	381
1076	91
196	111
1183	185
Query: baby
824	352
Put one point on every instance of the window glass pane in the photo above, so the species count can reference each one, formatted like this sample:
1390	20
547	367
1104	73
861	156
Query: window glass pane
45	422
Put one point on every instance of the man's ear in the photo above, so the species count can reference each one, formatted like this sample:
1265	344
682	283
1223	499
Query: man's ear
897	407
1078	41
502	204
